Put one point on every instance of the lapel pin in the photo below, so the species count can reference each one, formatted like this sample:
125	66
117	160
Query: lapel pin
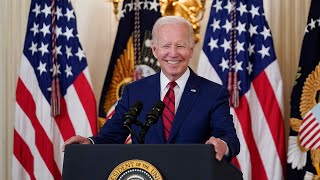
193	90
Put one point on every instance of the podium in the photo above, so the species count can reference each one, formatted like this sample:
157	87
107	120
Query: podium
152	161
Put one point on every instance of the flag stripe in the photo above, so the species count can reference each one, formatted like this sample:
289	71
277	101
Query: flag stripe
243	114
308	127
274	77
42	141
308	117
306	123
314	139
26	131
305	141
57	141
109	115
316	144
243	158
263	137
76	110
19	171
236	162
24	156
86	96
64	122
262	87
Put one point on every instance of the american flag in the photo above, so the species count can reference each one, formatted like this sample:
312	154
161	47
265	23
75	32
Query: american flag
238	53
38	136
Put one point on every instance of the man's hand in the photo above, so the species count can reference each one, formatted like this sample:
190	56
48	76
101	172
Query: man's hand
219	146
76	140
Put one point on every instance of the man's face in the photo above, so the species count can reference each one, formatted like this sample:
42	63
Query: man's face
173	50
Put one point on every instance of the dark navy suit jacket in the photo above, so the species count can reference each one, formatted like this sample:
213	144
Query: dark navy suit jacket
203	112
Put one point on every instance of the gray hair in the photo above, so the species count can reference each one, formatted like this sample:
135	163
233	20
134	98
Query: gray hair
167	20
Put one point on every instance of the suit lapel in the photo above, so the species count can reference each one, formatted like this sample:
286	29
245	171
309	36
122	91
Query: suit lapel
190	94
156	98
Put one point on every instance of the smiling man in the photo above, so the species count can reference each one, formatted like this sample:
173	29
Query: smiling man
172	45
196	110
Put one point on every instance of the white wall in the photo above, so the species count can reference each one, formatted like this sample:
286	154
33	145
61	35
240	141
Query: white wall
2	95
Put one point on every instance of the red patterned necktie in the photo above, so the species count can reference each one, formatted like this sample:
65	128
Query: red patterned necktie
169	110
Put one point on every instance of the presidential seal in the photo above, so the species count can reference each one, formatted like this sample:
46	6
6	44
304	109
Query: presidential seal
309	103
135	170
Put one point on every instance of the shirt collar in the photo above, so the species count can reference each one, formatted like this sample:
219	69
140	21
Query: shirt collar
181	82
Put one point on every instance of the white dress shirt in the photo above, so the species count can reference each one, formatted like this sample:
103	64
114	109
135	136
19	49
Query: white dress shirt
178	89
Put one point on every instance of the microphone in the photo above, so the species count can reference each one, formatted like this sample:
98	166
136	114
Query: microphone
130	117
152	117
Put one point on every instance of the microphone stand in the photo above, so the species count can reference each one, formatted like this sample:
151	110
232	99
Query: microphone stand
142	134
151	119
138	123
144	128
141	138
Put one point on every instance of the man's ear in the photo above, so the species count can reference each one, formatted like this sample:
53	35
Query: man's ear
153	47
192	50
